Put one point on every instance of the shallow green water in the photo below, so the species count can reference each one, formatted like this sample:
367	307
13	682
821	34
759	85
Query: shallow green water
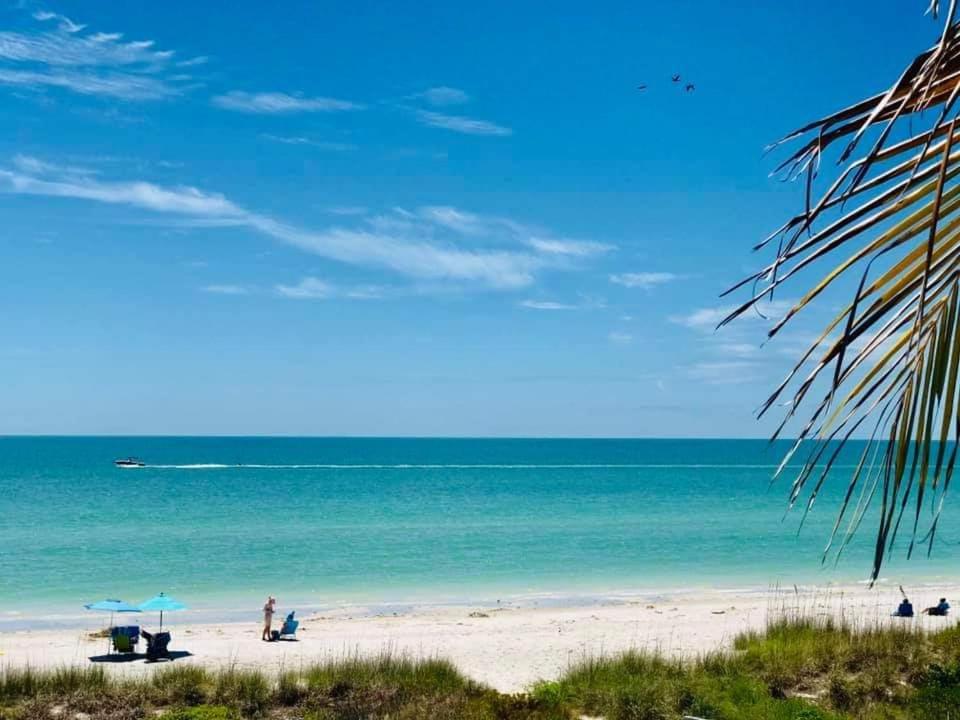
223	521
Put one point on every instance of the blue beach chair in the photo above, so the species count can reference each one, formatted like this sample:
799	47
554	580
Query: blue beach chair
125	638
289	629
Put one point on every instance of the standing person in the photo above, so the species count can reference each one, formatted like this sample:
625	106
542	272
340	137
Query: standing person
268	609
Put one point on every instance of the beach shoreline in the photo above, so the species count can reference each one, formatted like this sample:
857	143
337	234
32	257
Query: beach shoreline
508	646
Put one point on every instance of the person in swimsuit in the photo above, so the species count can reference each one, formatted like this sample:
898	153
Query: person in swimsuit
268	609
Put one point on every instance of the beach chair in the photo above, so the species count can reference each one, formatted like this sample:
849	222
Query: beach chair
904	610
125	638
158	646
288	631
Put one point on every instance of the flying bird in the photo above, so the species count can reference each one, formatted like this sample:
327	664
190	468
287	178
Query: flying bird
641	87
690	87
676	78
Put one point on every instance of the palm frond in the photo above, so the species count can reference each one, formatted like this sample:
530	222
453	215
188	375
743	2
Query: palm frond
886	365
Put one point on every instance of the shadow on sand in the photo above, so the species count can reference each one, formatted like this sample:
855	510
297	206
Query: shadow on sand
133	657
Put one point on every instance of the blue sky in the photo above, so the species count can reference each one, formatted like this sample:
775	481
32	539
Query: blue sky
448	219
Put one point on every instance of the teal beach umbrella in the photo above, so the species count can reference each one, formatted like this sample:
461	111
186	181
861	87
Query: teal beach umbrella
112	606
161	603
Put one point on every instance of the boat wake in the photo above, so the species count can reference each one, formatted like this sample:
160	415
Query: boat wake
461	466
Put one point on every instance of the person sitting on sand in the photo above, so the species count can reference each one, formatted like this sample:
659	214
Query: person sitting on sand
905	609
268	609
940	609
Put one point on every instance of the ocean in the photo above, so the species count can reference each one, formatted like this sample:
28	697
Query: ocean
222	522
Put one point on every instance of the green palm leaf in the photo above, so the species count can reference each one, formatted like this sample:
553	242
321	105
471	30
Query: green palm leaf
886	365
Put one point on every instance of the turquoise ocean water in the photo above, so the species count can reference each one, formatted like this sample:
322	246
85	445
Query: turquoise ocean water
223	521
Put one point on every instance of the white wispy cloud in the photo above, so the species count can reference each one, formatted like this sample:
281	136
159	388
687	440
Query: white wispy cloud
36	166
116	85
733	355
63	22
546	305
179	200
508	231
310	288
458	220
87	63
707	319
70	50
193	62
102	37
620	338
443	95
431	243
461	124
408	253
738	349
226	289
404	248
364	292
643	280
320	144
278	103
577	248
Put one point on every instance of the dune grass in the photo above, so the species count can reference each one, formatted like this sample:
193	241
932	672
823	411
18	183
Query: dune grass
797	669
383	686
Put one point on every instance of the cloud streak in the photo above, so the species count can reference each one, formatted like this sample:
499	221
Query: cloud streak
461	124
226	290
707	319
443	96
86	63
278	103
63	22
401	241
546	305
575	248
510	231
643	280
310	288
309	142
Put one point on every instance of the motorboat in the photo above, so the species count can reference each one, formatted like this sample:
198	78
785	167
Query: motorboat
130	462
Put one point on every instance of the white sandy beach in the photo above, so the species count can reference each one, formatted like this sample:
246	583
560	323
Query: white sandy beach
507	648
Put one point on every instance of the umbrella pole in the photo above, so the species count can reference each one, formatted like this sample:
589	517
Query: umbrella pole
161	621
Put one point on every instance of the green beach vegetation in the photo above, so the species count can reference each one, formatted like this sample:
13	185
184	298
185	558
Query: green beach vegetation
798	668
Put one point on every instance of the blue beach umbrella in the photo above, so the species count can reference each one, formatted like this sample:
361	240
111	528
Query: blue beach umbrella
162	603
112	606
